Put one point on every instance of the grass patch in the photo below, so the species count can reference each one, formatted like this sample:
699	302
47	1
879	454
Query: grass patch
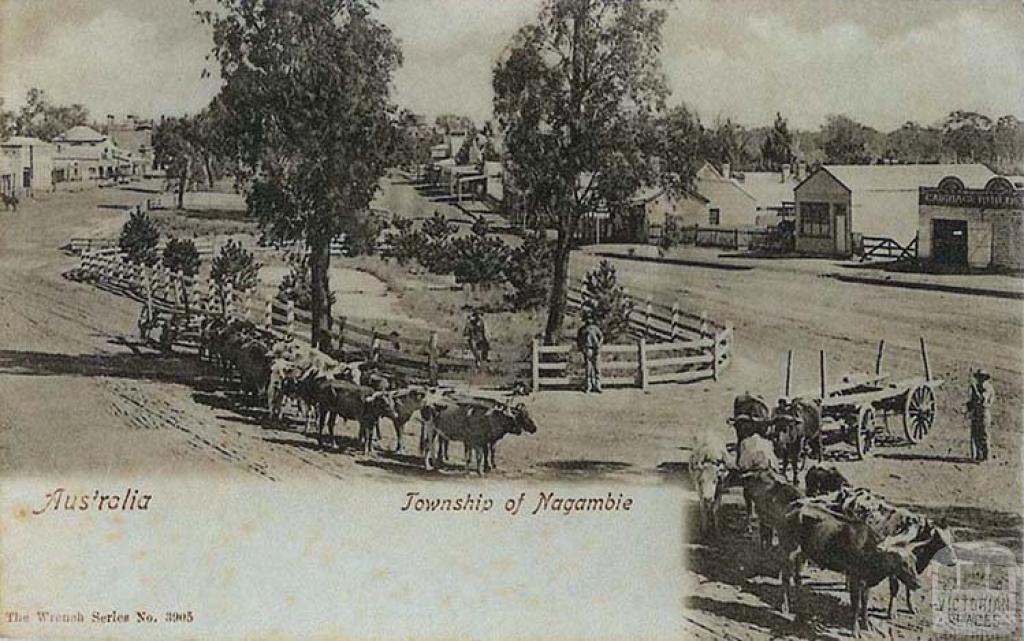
186	224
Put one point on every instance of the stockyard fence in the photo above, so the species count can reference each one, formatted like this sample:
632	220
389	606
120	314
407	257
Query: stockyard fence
671	345
207	245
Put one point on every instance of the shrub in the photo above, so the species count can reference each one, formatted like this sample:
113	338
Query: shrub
436	253
605	301
235	265
361	233
479	259
671	234
181	255
139	238
528	272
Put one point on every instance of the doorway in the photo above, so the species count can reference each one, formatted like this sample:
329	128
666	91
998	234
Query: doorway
842	235
949	241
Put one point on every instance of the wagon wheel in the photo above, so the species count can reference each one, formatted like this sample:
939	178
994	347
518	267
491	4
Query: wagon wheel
918	412
864	432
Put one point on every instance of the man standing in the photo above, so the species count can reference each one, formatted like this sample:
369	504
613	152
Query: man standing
476	334
589	340
979	407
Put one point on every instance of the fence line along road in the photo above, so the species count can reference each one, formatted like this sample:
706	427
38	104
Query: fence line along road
687	347
671	345
207	245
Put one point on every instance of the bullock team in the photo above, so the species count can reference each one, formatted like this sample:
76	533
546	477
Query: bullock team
848	530
323	390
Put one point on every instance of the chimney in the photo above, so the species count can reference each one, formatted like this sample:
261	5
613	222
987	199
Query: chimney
801	170
785	172
726	170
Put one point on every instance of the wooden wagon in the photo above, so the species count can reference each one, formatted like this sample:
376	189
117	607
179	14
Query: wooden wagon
860	404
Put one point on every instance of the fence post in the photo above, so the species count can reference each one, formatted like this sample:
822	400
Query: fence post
704	324
268	313
736	238
675	320
715	356
432	358
535	365
641	345
290	319
647	318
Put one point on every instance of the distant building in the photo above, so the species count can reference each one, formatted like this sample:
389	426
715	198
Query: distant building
28	163
772	192
726	202
979	228
84	154
838	201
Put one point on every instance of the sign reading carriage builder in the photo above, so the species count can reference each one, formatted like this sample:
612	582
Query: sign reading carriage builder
978	228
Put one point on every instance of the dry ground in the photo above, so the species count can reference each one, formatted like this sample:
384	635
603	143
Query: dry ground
77	392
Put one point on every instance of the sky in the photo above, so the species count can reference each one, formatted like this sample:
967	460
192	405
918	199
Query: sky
882	62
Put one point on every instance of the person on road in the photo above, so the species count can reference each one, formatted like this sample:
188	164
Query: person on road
980	400
589	340
476	334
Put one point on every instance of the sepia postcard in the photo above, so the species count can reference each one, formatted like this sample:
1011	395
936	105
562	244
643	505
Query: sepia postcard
522	320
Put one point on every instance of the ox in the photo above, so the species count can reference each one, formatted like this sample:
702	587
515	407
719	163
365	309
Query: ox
755	454
888	521
709	467
352	402
838	543
478	427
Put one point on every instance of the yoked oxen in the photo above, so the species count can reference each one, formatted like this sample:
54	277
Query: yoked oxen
352	402
478	425
797	429
927	539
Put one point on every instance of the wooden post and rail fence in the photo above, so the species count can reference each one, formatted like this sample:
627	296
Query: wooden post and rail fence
668	345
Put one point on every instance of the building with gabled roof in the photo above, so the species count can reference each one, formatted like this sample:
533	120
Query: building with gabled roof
29	164
837	202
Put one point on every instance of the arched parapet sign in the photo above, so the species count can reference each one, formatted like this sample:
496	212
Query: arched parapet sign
999	193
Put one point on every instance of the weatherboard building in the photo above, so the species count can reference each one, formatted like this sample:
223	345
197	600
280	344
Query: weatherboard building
838	204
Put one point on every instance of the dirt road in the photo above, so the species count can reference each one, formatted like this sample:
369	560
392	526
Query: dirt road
78	392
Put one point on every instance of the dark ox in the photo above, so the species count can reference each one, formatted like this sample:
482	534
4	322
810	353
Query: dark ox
352	402
840	544
479	427
926	539
797	429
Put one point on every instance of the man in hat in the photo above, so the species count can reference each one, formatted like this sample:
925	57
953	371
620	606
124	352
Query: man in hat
979	407
476	334
589	340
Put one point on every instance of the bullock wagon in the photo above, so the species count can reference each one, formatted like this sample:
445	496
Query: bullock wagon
860	406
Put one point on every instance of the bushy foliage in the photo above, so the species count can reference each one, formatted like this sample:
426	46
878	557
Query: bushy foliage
671	234
406	245
296	285
139	238
528	272
235	265
361	233
479	259
181	255
605	301
436	252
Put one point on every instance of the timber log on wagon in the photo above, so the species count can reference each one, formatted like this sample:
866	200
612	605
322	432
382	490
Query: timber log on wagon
862	404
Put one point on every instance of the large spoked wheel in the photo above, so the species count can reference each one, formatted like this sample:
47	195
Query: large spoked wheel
918	412
864	434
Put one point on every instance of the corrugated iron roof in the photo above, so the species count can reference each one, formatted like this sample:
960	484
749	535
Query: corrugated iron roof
907	177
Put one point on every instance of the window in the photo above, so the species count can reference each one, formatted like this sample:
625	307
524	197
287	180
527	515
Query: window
814	220
714	217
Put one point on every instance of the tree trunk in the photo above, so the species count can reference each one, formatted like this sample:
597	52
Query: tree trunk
559	286
208	165
320	301
182	180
